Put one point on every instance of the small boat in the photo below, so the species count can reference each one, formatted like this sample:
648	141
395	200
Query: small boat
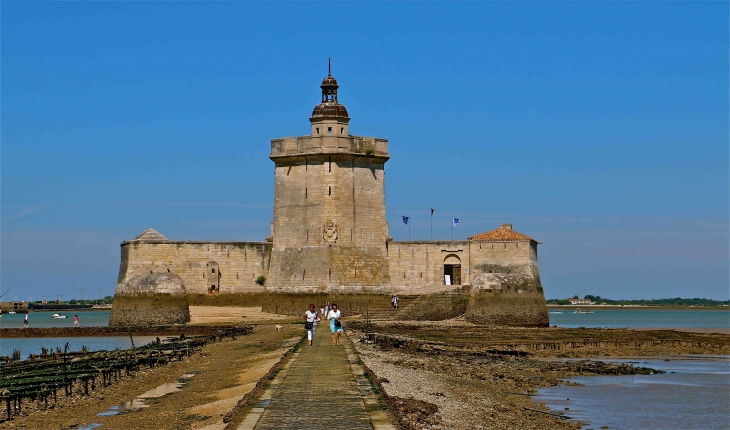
583	312
58	316
12	313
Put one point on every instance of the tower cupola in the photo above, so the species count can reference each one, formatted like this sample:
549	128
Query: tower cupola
329	116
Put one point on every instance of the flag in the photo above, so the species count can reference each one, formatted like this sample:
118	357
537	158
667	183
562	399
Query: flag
405	220
456	222
431	211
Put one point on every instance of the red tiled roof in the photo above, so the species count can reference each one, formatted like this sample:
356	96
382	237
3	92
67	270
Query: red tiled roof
503	233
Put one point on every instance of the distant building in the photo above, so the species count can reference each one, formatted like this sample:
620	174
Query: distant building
580	302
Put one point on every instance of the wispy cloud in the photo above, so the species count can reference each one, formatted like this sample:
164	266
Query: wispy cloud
20	214
205	204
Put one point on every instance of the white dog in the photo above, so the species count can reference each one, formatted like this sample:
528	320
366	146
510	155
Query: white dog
278	327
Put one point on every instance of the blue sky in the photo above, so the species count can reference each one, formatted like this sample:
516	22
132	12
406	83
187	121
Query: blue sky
598	128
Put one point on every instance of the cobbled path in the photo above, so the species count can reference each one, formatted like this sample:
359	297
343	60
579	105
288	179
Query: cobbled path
318	390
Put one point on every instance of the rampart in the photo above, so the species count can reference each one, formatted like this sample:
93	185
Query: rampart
205	267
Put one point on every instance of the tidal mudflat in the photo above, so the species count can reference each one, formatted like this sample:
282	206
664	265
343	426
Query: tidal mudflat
457	375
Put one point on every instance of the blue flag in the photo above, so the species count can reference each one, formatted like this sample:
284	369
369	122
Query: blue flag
405	220
456	222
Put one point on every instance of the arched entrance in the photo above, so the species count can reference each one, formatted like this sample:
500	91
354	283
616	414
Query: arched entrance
452	270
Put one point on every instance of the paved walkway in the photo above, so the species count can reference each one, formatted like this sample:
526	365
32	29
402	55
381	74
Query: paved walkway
320	387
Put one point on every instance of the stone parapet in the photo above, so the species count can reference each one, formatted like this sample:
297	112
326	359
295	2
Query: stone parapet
354	145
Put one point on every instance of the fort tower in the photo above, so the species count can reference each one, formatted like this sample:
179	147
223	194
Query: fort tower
329	231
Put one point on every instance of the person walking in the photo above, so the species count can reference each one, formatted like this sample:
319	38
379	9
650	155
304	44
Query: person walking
76	321
25	321
396	299
334	316
310	322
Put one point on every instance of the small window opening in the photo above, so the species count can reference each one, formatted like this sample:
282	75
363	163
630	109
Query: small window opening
305	193
212	270
329	130
317	130
329	191
342	130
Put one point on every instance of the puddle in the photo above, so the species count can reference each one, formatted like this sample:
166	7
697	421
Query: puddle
139	402
89	426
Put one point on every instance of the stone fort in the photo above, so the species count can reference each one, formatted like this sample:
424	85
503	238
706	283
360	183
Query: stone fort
329	242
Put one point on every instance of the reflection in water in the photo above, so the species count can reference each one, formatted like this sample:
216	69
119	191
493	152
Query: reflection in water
139	403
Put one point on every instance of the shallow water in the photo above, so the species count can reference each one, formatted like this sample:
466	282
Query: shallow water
641	318
33	345
43	319
139	402
694	393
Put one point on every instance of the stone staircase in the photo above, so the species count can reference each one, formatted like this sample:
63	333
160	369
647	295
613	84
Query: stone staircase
385	312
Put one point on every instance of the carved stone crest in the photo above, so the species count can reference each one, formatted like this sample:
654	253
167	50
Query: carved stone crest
329	233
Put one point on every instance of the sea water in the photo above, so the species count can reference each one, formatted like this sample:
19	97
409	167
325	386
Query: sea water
641	318
693	394
33	345
44	320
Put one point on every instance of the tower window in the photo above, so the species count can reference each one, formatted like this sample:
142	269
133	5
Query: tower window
329	191
329	130
342	130
317	130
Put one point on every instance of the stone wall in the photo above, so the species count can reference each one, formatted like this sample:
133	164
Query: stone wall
413	264
239	263
152	299
329	227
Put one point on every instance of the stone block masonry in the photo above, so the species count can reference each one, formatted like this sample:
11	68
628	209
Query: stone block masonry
329	242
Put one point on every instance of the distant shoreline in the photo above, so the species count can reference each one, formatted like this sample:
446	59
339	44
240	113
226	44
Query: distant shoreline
642	307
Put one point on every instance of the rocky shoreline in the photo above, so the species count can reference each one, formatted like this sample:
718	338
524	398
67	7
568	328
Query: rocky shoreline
433	378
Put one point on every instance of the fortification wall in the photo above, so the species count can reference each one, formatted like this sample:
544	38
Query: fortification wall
238	263
414	264
352	269
312	190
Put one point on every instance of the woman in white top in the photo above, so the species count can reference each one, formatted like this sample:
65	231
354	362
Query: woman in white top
310	318
334	316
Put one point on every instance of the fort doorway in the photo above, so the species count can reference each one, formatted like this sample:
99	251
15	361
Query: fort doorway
452	270
452	274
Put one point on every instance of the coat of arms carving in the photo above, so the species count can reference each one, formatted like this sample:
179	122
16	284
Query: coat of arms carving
329	233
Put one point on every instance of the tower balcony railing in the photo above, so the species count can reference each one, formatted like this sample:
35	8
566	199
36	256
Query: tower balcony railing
329	145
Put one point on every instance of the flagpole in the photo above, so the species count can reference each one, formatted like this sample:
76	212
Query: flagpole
431	224
452	228
409	230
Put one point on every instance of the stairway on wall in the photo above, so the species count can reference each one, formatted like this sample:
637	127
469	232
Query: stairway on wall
386	312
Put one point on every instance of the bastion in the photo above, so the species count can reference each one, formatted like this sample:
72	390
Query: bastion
329	242
153	299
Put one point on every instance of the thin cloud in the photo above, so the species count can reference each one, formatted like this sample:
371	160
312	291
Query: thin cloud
204	204
20	214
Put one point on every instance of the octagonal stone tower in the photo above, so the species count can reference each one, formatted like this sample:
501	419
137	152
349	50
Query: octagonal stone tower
329	231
